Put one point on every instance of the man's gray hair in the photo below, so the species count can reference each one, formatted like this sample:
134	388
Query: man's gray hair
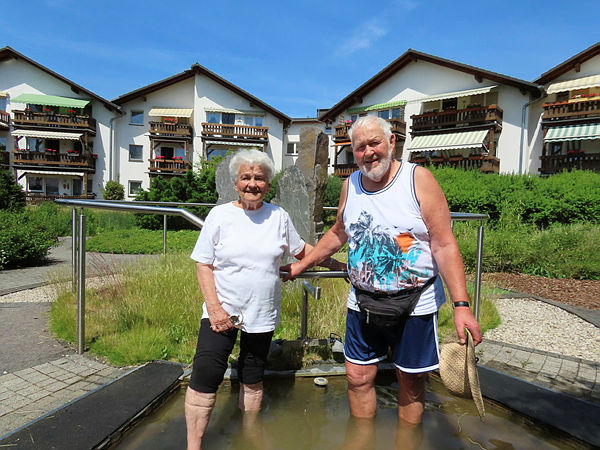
365	121
251	157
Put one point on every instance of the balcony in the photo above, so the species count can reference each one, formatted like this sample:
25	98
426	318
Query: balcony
552	164
166	129
487	164
344	170
572	109
341	131
168	167
54	120
235	132
457	118
53	160
4	159
4	120
39	197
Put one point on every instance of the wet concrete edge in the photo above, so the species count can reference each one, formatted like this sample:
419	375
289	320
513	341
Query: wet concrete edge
98	418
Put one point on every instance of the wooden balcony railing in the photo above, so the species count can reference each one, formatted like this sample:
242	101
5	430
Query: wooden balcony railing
344	170
38	197
168	166
54	120
4	119
171	129
54	159
572	109
457	118
341	131
482	163
4	158
557	163
235	131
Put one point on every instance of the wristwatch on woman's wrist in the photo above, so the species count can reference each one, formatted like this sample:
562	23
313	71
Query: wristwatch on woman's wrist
456	304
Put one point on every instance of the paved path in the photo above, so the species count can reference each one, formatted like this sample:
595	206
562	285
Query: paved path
38	374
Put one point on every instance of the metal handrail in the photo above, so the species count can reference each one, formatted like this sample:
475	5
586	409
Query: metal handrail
78	249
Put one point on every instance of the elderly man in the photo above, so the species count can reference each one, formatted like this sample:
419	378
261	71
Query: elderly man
396	221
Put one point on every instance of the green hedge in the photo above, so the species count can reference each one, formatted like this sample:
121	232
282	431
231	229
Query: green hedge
23	242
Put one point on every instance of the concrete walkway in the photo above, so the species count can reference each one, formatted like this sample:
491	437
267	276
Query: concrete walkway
38	374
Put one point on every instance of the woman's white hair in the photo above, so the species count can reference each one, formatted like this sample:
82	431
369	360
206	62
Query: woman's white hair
365	121
251	157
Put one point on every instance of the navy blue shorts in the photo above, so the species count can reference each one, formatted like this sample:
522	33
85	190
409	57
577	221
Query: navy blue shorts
414	344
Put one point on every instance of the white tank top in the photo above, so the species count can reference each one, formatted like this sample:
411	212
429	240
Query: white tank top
389	248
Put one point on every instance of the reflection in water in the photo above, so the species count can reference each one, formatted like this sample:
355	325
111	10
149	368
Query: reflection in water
297	414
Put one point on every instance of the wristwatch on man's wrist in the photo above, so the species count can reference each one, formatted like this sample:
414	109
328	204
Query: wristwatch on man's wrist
457	304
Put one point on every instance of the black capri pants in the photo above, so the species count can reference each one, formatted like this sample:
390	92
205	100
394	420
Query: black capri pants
213	350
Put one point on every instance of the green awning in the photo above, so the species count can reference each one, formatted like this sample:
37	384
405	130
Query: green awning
376	107
588	131
449	141
50	100
455	94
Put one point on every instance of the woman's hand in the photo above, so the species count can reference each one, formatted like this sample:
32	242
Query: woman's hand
219	319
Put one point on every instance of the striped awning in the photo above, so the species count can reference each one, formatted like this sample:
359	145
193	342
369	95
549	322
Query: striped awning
589	131
570	85
48	134
3	94
171	112
234	144
450	141
50	100
376	107
21	174
455	94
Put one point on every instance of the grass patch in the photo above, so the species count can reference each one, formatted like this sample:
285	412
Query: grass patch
153	309
139	241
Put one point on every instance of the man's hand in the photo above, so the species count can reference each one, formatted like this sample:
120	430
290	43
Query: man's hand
464	318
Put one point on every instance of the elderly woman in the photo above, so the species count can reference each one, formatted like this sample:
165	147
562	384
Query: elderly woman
238	254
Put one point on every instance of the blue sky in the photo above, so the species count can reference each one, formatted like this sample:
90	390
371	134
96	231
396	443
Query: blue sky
295	55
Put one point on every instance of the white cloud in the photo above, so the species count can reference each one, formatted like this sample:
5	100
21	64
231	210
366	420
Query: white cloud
363	37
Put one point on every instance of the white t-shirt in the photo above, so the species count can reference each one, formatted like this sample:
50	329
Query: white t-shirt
245	248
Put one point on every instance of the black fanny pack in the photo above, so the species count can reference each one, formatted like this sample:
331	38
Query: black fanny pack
389	310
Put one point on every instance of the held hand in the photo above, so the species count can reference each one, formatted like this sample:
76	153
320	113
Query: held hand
337	265
464	318
219	319
291	271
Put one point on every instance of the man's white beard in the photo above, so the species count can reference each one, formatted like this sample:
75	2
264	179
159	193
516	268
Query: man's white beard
377	173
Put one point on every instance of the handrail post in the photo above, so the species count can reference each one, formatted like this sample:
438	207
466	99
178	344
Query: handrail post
478	269
315	291
74	242
164	234
81	288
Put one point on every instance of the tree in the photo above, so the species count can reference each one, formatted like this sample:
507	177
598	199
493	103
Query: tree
12	197
113	191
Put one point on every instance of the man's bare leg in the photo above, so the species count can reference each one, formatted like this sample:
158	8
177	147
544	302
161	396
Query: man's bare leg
411	394
360	434
198	408
361	389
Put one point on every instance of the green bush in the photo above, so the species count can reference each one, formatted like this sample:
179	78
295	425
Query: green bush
12	197
23	242
113	191
194	187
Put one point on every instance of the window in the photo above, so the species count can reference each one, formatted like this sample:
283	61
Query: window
35	184
396	113
166	152
555	148
291	148
52	186
137	118
2	103
136	152
134	187
53	144
353	117
77	186
2	143
449	103
34	144
385	114
562	96
89	187
228	118
258	121
213	117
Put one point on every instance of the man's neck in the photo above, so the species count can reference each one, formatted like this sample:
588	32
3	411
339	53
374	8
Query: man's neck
387	178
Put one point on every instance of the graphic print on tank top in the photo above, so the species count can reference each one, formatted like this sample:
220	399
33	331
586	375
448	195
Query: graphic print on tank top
381	258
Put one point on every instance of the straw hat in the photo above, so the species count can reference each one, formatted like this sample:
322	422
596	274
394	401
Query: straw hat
458	371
